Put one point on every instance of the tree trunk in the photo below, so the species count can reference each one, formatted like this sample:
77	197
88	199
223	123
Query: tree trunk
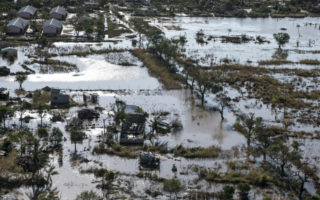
248	146
20	120
187	78
75	147
221	113
301	189
282	168
202	99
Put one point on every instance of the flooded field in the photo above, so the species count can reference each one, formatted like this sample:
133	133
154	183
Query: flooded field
109	70
304	34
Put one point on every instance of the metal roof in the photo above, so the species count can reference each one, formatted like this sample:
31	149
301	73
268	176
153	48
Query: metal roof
28	9
58	9
52	23
19	22
132	109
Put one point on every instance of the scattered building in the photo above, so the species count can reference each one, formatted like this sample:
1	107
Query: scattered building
4	44
58	99
83	19
149	160
9	52
88	114
17	26
133	130
58	12
52	27
27	12
91	5
4	93
145	2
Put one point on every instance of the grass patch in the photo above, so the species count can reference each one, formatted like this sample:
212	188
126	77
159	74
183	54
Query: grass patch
89	52
274	62
162	149
115	30
41	96
117	150
252	177
309	62
197	152
157	69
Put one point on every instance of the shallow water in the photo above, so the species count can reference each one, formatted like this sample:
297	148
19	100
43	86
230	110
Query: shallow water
95	73
244	52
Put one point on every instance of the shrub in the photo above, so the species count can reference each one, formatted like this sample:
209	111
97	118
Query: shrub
244	189
172	186
197	152
4	71
88	195
226	193
43	133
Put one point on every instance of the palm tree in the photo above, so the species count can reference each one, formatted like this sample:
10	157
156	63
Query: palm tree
77	136
41	109
5	112
22	107
20	78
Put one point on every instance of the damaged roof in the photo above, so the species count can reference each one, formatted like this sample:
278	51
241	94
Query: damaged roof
132	109
28	9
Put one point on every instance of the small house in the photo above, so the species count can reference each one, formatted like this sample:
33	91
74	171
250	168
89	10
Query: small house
134	114
133	128
9	52
58	99
149	160
4	44
27	12
146	2
91	5
4	93
59	13
83	19
17	26
52	27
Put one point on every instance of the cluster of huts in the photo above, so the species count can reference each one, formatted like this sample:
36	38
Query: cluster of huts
133	133
50	27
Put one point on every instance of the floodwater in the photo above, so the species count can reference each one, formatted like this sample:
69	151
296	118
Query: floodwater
305	31
95	73
134	85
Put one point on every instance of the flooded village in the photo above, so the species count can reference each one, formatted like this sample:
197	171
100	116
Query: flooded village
159	99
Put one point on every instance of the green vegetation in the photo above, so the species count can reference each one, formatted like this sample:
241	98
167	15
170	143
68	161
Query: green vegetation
198	152
20	78
158	69
116	149
88	195
281	38
115	29
76	136
226	193
172	186
244	189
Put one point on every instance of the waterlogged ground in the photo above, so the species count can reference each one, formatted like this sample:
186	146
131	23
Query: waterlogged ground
106	75
200	128
95	73
305	31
